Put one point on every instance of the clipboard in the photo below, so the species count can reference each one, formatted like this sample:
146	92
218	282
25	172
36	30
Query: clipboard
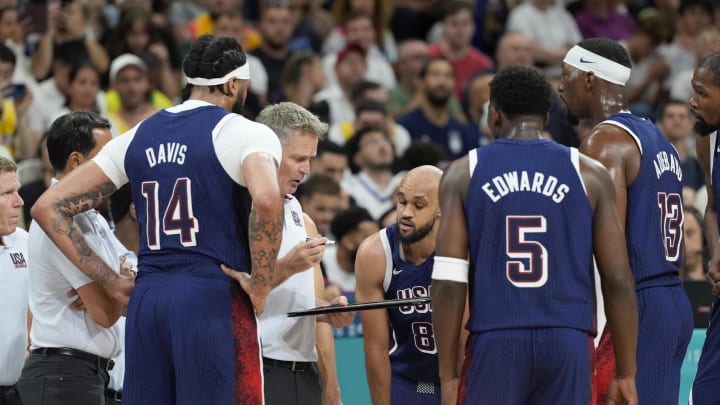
362	306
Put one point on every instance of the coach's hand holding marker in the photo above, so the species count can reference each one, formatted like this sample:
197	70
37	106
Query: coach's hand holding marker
337	319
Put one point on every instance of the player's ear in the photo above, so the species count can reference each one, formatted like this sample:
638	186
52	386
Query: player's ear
495	118
133	214
546	120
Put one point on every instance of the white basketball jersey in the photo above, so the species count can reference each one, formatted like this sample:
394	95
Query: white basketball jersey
283	338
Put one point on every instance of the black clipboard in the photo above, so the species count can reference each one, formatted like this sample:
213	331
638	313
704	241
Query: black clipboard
361	306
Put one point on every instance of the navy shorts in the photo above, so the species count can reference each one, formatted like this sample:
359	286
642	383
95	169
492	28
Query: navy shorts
664	332
191	339
407	392
706	388
527	366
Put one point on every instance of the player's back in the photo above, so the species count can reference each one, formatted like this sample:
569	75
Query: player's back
413	354
186	203
654	219
530	238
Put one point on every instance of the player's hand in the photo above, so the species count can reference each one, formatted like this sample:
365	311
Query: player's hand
121	288
257	297
78	304
622	391
331	395
338	319
713	275
449	391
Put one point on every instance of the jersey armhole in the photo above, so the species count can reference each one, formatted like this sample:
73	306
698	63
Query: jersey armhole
388	259
472	161
713	150
628	130
575	159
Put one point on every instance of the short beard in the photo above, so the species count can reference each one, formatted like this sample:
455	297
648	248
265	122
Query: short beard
239	106
418	235
571	119
437	101
702	128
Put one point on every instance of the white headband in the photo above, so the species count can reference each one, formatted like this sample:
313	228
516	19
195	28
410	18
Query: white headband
600	66
242	72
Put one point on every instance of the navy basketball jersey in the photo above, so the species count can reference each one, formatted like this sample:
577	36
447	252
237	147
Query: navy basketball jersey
530	238
654	219
185	201
413	354
715	168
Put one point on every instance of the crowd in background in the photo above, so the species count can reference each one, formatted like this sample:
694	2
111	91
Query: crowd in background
401	83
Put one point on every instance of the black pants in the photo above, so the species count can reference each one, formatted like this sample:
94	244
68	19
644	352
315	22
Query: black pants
9	396
61	380
286	387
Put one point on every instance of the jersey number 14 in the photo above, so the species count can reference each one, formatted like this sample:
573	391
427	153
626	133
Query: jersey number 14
178	217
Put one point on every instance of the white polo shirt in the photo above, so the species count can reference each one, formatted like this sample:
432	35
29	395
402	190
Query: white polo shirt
283	338
52	275
13	305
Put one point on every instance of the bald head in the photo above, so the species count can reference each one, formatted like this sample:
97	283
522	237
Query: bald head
417	204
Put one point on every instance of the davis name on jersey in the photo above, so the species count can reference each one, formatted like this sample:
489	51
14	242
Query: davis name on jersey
171	152
514	181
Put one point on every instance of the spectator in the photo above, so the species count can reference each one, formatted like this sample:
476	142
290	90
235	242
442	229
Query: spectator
601	18
513	49
708	42
50	95
549	27
321	199
14	287
693	267
693	17
275	27
12	35
371	113
136	34
350	69
379	12
331	160
373	183
302	79
458	27
129	78
406	96
643	89
359	31
13	108
431	120
676	124
83	91
66	25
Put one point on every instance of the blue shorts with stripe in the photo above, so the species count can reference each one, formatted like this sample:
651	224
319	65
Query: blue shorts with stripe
527	366
191	338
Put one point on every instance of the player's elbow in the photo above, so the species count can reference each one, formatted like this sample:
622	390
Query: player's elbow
618	284
267	204
41	209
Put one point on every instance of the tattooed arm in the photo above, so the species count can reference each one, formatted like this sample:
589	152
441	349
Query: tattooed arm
265	225
84	188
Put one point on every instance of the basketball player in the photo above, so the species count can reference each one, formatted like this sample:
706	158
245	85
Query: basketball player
704	104
645	169
191	334
400	354
530	213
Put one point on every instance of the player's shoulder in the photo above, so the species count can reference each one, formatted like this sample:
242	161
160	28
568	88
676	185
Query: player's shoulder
371	248
238	122
594	174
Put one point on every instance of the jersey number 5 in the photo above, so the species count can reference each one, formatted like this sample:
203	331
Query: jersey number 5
671	221
178	218
528	264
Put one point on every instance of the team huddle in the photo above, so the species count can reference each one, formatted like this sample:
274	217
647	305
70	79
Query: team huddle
507	242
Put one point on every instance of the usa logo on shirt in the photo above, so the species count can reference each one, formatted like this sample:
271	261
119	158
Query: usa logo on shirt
296	218
18	260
